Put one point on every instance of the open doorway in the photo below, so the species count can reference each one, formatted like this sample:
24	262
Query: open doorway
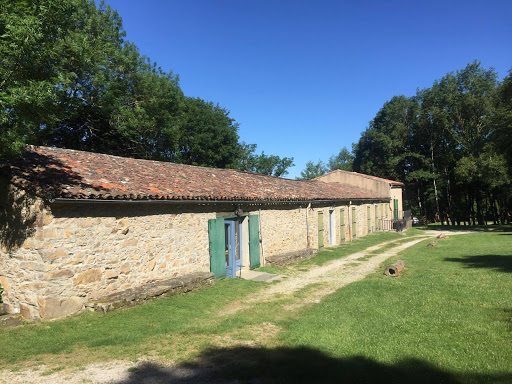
233	246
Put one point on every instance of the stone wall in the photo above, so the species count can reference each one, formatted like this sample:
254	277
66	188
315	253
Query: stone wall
56	257
380	187
283	230
83	252
361	228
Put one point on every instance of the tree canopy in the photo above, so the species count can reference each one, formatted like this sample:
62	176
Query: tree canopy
344	160
313	170
69	78
271	165
450	145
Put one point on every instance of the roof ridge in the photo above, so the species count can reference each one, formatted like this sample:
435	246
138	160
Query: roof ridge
72	173
202	167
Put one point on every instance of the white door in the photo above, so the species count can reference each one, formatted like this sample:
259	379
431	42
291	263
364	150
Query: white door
331	228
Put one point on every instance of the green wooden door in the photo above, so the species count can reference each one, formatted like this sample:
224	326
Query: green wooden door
395	210
369	218
320	229
216	235
354	223
342	225
254	241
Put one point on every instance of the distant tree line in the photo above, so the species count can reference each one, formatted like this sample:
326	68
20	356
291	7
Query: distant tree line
344	160
68	78
451	144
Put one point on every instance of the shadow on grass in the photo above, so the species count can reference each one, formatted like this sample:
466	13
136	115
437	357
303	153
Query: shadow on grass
501	263
297	365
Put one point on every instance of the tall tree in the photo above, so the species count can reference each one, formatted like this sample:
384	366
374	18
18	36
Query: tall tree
263	164
344	160
449	143
207	135
313	170
58	62
384	147
502	121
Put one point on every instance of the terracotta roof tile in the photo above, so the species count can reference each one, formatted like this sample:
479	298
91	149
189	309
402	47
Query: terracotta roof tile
66	173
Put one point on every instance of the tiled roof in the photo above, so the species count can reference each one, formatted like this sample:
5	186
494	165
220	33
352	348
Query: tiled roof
66	173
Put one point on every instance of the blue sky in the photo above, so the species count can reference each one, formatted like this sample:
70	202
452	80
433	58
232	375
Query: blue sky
304	78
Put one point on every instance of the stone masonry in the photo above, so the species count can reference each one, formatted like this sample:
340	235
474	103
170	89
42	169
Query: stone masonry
83	252
70	254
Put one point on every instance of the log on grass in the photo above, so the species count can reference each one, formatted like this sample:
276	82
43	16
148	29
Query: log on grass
395	269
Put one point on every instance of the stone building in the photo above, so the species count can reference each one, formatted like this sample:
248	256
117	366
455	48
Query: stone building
384	187
78	226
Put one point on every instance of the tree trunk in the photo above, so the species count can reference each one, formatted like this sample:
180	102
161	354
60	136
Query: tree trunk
472	209
434	180
449	196
479	215
420	210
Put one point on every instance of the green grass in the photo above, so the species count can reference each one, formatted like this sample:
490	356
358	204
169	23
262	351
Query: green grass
357	245
447	319
125	333
451	311
324	256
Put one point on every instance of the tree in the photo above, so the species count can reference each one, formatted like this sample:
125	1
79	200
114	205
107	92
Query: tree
449	143
207	135
313	170
344	160
502	121
59	60
68	78
263	164
384	147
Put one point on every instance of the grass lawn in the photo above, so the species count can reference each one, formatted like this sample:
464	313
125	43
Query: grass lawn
126	333
447	319
449	316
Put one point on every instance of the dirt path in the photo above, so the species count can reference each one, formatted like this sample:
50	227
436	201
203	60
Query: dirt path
326	279
334	275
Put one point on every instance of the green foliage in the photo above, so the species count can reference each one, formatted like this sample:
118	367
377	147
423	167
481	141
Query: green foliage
313	170
502	121
68	78
263	164
424	315
343	160
448	144
207	135
384	148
